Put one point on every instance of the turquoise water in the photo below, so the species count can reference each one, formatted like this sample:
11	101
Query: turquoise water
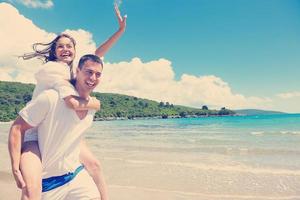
257	140
237	157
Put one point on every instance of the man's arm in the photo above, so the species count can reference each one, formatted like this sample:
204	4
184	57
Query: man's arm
30	116
14	146
102	49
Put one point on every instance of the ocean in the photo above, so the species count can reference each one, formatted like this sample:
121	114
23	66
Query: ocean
234	157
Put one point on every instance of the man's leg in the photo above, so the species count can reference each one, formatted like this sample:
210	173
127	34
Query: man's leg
93	167
58	193
82	187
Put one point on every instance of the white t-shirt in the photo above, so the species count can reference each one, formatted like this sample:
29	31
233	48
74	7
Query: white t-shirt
59	131
52	75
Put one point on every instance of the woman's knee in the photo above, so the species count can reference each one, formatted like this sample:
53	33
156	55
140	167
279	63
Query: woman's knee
31	168
34	191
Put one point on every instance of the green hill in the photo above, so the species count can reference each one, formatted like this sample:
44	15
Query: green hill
14	96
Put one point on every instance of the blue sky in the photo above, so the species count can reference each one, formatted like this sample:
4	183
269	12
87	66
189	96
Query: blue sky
253	45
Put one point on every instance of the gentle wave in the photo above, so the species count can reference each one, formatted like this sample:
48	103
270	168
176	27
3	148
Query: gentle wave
275	133
10	122
206	148
222	196
257	133
290	132
198	166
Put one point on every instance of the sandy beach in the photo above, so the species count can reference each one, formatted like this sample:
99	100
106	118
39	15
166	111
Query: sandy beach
8	189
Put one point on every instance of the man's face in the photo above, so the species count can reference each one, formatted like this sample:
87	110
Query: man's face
89	76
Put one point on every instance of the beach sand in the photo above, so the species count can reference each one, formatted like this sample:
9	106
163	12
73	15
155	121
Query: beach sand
9	191
8	188
122	184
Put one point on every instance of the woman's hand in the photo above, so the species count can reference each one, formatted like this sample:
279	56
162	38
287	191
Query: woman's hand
121	20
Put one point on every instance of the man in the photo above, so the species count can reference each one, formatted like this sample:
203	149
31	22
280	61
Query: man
60	131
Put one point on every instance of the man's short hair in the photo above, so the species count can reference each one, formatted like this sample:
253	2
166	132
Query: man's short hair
89	57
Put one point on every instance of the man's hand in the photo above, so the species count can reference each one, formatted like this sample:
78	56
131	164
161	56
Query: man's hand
19	178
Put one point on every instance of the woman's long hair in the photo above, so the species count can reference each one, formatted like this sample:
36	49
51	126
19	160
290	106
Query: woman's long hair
48	52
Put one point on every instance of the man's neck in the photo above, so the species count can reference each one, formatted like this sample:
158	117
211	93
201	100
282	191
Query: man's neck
82	94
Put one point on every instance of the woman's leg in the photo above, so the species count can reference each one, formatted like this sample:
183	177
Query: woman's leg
31	168
92	165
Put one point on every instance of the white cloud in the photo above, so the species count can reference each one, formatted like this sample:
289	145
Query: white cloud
34	3
15	43
6	73
153	80
289	95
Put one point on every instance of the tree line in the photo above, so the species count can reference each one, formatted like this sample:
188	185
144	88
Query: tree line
14	96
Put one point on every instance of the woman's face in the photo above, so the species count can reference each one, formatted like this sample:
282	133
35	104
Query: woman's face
65	50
